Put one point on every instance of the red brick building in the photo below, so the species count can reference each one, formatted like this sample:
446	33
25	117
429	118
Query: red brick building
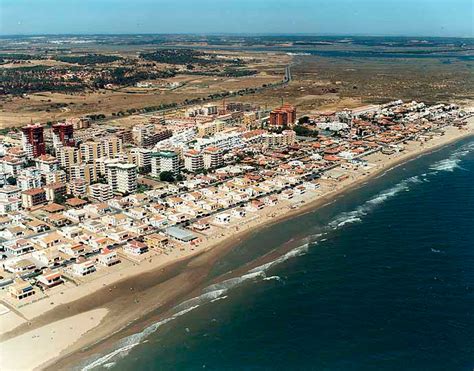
33	140
283	116
63	133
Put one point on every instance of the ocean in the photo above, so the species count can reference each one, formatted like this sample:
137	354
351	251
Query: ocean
380	279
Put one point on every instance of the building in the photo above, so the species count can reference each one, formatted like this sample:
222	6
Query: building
193	161
111	146
181	234
63	135
84	172
210	128
68	156
100	192
29	178
77	187
91	150
21	289
141	157
58	176
135	247
164	161
49	279
33	197
83	267
146	135
283	116
122	177
11	165
33	140
286	138
108	258
55	190
213	157
46	163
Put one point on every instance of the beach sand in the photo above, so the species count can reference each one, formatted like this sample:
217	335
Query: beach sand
128	294
47	341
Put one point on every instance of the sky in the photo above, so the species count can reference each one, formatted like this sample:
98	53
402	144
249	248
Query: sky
317	17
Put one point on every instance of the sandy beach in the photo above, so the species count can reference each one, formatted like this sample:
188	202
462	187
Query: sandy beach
73	319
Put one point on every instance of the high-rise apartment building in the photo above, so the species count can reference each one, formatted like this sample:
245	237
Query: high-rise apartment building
33	140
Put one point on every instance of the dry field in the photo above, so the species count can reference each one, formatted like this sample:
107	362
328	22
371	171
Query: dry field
47	106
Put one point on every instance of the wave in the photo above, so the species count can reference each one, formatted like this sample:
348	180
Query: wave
355	216
453	161
219	298
130	342
298	251
272	278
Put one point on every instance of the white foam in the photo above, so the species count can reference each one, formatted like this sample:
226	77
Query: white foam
272	278
454	160
355	216
132	341
219	298
298	251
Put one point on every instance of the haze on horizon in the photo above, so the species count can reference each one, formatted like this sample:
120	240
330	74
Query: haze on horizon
453	18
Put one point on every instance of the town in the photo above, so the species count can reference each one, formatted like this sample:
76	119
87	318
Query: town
81	200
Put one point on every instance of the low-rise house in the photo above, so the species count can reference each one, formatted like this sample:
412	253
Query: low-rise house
238	212
158	221
135	247
222	218
287	194
53	208
18	265
156	241
74	251
201	225
49	279
76	215
18	247
120	235
108	258
83	267
49	257
21	289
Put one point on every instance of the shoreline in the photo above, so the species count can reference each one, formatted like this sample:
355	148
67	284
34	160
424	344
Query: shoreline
177	279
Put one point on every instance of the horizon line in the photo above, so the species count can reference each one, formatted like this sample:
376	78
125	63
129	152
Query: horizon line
231	34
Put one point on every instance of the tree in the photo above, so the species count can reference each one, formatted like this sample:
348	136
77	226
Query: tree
166	176
59	199
11	180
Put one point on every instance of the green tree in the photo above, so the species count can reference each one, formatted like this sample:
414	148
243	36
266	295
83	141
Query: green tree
167	176
11	180
59	199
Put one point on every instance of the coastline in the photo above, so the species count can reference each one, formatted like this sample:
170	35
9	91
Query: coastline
144	288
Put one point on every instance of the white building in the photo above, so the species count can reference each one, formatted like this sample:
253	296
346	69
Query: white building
100	192
193	161
164	161
47	163
224	141
122	177
29	178
141	157
213	157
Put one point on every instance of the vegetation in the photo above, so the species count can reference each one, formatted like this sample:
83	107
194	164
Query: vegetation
88	59
178	56
167	176
60	199
11	180
303	131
